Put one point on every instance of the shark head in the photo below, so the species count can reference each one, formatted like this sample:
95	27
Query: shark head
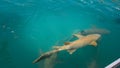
92	38
95	36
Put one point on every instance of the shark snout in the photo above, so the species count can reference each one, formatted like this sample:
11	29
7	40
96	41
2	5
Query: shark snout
97	35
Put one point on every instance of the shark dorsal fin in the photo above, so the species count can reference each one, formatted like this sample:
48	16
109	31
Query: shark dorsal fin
71	51
93	43
78	35
67	43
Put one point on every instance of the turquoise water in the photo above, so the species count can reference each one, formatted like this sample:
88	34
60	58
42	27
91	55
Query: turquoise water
30	27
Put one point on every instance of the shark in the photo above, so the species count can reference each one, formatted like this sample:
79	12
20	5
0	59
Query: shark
82	41
94	30
71	47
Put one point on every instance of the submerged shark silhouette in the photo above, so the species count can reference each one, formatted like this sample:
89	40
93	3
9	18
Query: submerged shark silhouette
94	31
72	46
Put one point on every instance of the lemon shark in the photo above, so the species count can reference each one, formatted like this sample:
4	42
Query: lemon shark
80	42
71	47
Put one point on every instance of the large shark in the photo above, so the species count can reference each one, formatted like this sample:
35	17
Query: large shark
80	42
72	46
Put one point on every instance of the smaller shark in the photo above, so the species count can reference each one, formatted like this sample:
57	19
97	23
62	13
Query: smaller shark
72	46
94	30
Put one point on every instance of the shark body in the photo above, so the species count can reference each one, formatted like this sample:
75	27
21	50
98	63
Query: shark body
72	46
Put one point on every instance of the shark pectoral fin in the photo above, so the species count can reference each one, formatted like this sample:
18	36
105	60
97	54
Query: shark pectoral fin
71	51
67	43
78	35
93	43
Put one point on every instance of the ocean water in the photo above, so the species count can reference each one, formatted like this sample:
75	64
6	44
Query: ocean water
29	28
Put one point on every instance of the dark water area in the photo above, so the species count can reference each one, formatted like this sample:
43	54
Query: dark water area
29	28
